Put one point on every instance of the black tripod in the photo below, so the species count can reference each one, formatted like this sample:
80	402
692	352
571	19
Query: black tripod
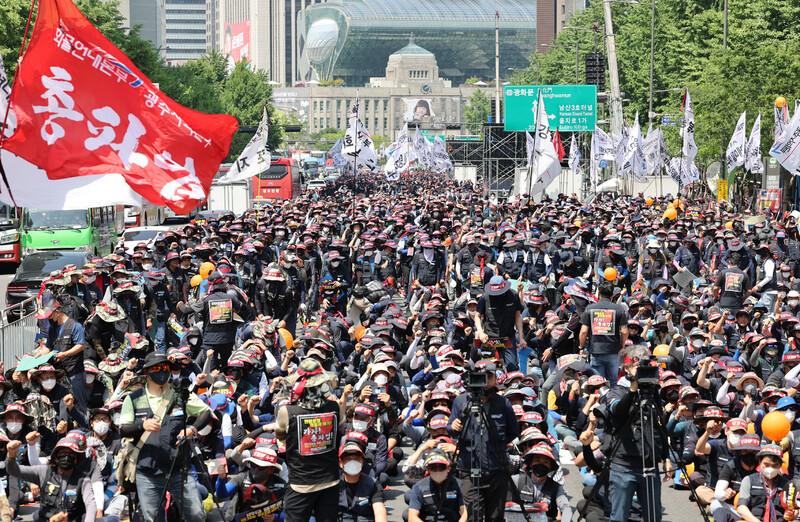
184	456
475	415
647	409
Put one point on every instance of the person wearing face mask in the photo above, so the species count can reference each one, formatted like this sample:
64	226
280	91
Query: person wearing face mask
66	338
261	470
159	307
65	483
733	332
139	419
334	283
376	452
628	475
100	422
536	486
94	294
759	492
731	286
274	298
437	497
360	495
745	450
713	447
652	264
97	386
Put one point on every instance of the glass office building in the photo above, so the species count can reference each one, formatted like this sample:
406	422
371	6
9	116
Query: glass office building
352	39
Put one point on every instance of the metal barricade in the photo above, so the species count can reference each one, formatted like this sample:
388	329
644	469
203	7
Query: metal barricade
18	331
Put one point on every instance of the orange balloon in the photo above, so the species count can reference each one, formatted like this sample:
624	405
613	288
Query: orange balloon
360	332
736	500
780	101
287	337
649	202
785	466
729	225
671	213
775	426
610	273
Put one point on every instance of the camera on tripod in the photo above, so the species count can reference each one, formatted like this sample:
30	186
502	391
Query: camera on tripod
648	369
476	380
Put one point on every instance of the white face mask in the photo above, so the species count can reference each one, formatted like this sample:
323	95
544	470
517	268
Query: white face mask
733	439
770	473
381	380
335	264
360	425
49	384
280	233
714	435
90	279
698	343
147	266
101	427
116	419
352	467
793	302
89	378
472	313
205	431
14	427
438	476
789	414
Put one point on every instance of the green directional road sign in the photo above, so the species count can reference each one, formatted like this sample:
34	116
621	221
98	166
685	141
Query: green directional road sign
571	108
430	136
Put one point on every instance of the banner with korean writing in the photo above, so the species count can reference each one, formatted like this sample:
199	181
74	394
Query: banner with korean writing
570	108
83	108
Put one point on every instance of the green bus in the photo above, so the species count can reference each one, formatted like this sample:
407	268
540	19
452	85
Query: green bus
92	230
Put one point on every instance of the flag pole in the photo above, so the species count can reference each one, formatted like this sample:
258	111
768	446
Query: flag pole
258	180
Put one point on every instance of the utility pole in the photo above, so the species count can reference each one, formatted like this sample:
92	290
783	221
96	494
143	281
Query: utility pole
613	73
497	116
725	26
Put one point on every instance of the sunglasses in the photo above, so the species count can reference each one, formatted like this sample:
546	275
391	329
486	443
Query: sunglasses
160	368
437	467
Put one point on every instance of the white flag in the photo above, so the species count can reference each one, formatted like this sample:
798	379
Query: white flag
255	158
546	166
786	148
421	150
753	161
441	159
397	154
621	144
781	118
575	157
605	145
634	162
689	149
358	145
734	156
31	187
650	149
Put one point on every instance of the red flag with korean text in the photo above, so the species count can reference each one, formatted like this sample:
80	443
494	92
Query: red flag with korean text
560	152
83	108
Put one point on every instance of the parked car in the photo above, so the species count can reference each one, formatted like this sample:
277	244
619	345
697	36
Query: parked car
135	235
33	271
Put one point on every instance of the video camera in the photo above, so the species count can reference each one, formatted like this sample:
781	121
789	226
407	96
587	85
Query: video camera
476	381
648	370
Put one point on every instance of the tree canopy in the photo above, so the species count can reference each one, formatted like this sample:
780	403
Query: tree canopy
760	63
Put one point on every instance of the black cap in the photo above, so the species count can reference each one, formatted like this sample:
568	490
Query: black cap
154	359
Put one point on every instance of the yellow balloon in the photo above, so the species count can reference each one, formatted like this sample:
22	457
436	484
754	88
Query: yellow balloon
205	269
729	225
196	280
751	428
670	213
662	350
649	202
780	101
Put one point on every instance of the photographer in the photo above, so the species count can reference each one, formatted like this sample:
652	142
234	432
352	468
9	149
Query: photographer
634	469
485	446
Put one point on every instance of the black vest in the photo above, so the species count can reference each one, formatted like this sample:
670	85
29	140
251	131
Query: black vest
538	267
511	267
529	494
157	453
58	496
312	441
652	268
449	511
72	365
360	509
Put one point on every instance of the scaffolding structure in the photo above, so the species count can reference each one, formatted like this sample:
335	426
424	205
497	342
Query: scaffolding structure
503	153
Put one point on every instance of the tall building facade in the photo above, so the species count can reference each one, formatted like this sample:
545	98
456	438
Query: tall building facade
149	14
185	31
